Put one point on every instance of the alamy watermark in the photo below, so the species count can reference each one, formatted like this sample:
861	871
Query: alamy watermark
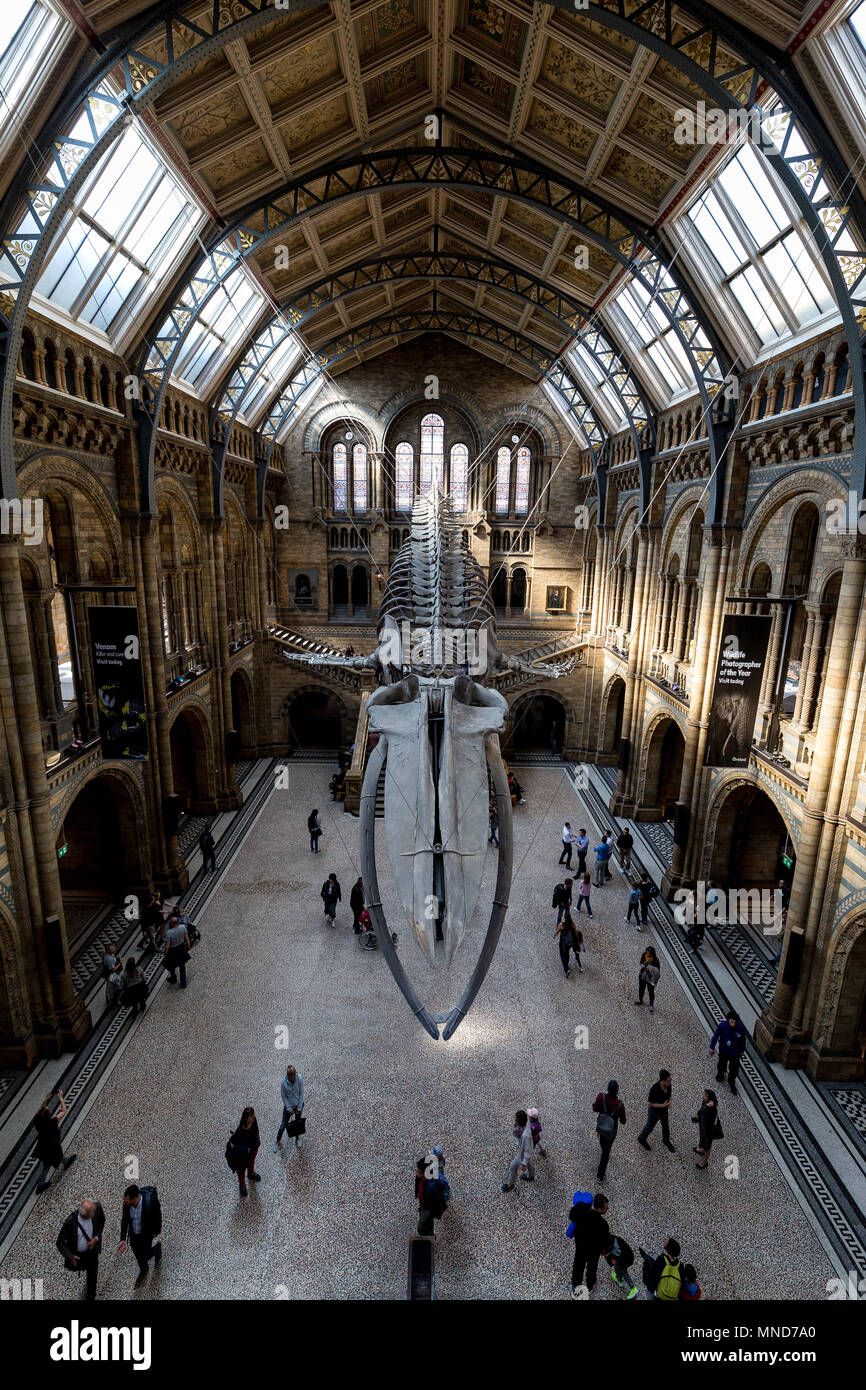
717	907
22	518
716	125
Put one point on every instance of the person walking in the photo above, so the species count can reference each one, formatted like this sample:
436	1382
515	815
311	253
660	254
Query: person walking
207	845
331	894
292	1093
80	1242
242	1149
565	857
562	899
356	903
663	1274
584	888
591	1235
432	1190
570	939
581	844
49	1149
176	952
624	845
535	1126
523	1160
709	1128
658	1112
151	920
134	986
314	825
611	1114
620	1257
695	937
648	891
634	906
602	854
493	837
608	840
141	1220
648	977
730	1037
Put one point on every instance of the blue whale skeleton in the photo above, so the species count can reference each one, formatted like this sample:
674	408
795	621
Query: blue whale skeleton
438	729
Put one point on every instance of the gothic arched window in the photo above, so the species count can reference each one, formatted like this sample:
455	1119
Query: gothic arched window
404	464
432	453
503	481
521	482
341	480
359	477
459	476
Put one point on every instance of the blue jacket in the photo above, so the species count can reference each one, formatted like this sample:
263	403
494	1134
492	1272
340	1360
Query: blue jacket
293	1094
602	851
731	1041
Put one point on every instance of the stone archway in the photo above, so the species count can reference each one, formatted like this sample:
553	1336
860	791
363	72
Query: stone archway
191	759
16	1047
99	844
664	747
243	722
840	1033
610	728
318	720
533	721
745	837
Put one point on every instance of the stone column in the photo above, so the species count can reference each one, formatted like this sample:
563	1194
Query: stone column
782	1030
808	642
227	794
625	784
812	674
599	598
771	670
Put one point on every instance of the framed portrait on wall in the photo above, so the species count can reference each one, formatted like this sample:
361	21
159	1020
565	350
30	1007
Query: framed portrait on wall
303	588
557	598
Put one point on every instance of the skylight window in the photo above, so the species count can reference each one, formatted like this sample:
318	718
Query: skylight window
220	326
602	393
763	264
127	231
858	22
271	377
30	33
652	339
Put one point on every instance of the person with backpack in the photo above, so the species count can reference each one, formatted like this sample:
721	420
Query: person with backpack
591	1235
691	1289
562	899
634	902
176	952
207	845
523	1160
602	854
331	894
620	1257
584	888
608	840
141	1221
658	1111
663	1274
731	1039
648	891
242	1148
314	825
80	1242
611	1114
356	903
570	939
709	1128
648	977
624	844
535	1126
432	1190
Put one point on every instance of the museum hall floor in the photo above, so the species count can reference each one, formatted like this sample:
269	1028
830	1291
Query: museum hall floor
333	1220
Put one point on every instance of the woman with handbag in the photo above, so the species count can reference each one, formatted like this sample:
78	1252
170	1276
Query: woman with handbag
242	1148
134	986
648	977
709	1128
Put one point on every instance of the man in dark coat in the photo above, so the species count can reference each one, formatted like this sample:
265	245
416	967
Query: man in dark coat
141	1221
591	1239
730	1036
80	1242
49	1149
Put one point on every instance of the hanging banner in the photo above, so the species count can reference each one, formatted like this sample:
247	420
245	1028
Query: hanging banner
118	682
739	674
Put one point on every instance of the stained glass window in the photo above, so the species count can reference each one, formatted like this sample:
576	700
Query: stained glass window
459	476
404	456
503	479
432	452
521	482
341	482
359	477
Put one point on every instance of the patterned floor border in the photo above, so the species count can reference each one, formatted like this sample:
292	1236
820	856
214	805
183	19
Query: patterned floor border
820	1192
18	1173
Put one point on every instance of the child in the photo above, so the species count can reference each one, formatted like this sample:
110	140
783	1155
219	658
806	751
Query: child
535	1127
620	1256
583	891
691	1289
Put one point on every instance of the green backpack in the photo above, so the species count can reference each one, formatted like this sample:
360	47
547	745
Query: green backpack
671	1281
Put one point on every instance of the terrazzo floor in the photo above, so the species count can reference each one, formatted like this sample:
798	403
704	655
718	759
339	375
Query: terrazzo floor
333	1219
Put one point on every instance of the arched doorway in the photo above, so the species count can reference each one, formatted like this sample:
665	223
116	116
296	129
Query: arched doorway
751	847
664	768
360	590
843	1026
189	761
499	589
611	724
99	854
518	589
538	725
315	721
339	587
241	716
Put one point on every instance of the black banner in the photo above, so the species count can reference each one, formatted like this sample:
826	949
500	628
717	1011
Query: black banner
118	681
739	674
